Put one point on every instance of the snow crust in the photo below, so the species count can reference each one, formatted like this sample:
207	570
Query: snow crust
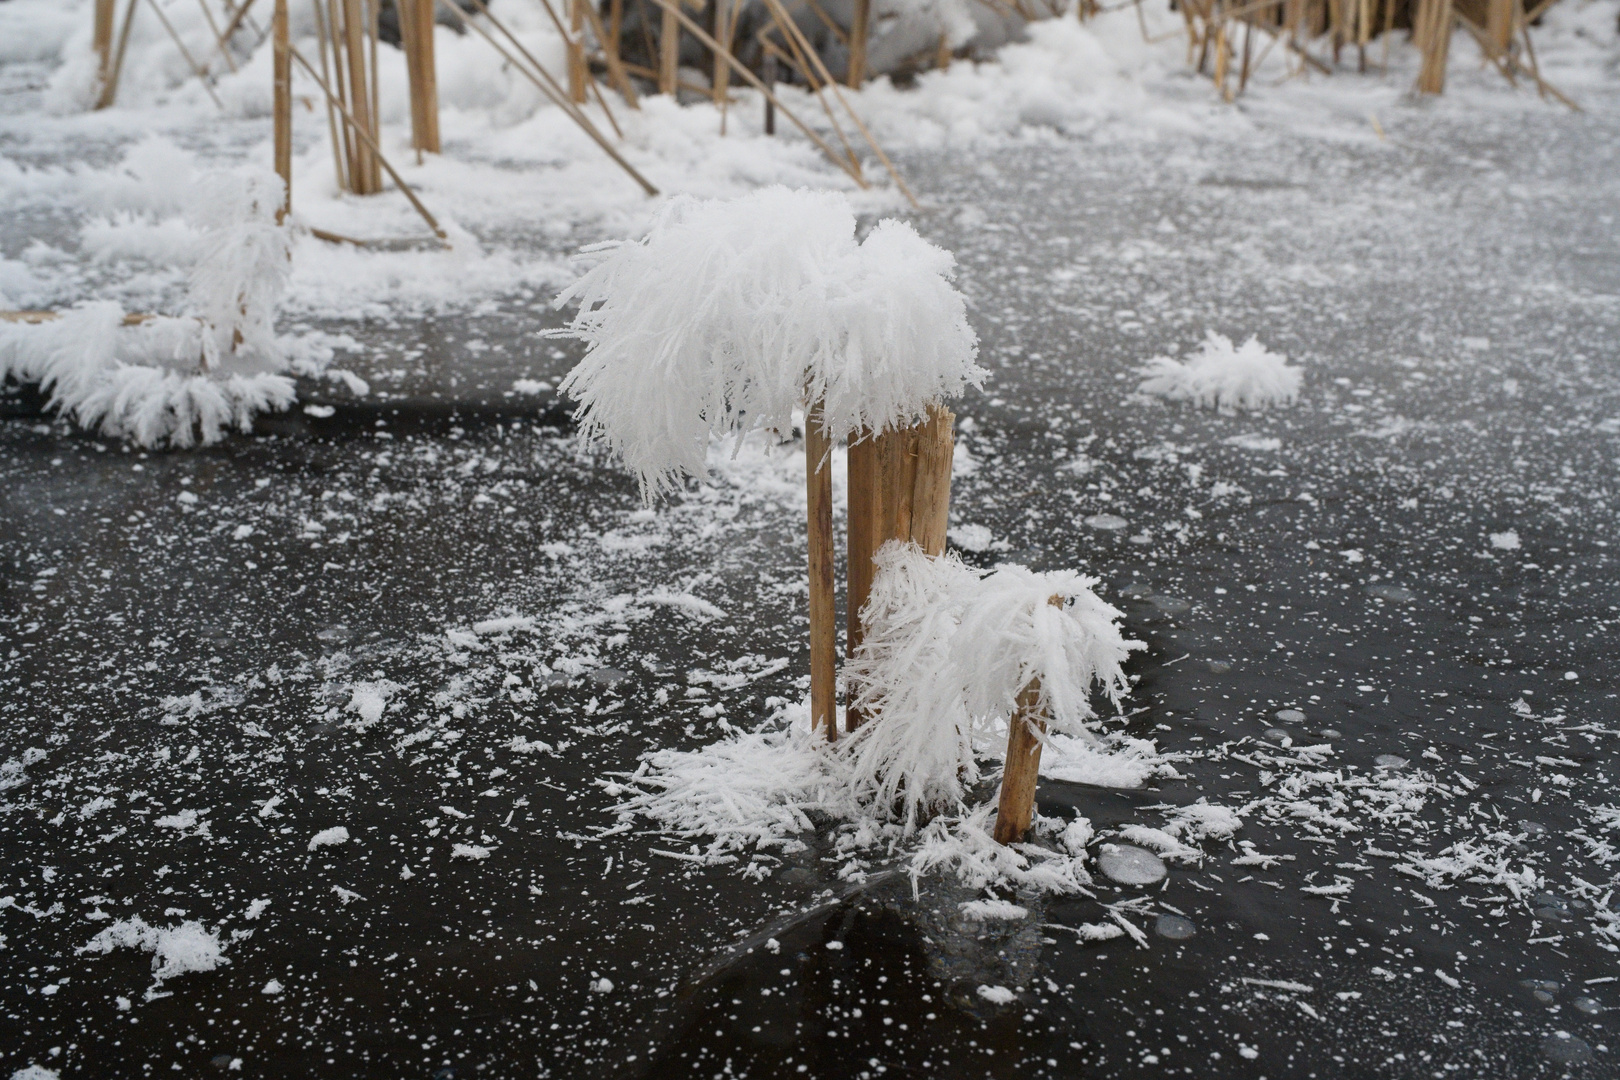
1219	375
729	314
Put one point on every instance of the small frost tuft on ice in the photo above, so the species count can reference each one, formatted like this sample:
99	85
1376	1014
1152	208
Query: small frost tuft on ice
176	950
997	995
1505	541
993	909
469	851
1219	375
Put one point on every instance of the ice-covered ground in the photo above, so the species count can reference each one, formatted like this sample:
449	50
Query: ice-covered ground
302	734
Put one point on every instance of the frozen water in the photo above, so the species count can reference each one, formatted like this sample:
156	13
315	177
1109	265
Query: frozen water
1127	864
1174	927
442	497
1107	522
1290	716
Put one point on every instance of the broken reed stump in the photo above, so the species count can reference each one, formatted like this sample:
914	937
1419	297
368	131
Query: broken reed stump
859	30
669	51
899	489
1019	773
823	627
281	78
109	81
416	39
101	38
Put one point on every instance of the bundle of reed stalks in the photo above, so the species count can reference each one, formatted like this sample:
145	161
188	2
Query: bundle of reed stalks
1315	33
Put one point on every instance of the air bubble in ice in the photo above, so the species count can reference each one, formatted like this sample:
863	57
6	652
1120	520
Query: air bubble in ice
1331	733
1277	734
1107	522
1171	605
1566	1049
1590	1006
1390	761
1174	927
1126	864
1290	716
1533	829
1219	667
1393	593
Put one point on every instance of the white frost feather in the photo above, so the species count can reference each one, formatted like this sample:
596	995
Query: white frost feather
176	381
730	314
1219	375
947	651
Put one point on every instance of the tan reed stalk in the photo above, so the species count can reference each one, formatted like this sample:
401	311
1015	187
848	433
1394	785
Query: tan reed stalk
860	28
281	80
888	166
610	56
754	81
326	30
818	532
669	51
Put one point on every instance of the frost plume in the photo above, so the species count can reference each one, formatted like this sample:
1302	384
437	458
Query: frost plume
176	381
947	651
1219	375
730	314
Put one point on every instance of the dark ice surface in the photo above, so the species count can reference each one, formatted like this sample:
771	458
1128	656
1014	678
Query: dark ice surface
187	637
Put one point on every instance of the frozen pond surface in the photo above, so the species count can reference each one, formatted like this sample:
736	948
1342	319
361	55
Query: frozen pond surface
1380	622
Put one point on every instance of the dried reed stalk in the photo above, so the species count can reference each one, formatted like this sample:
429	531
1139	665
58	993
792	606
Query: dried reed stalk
741	69
281	81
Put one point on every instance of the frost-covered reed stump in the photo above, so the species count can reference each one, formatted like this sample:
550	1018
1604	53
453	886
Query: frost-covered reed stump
730	316
177	380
